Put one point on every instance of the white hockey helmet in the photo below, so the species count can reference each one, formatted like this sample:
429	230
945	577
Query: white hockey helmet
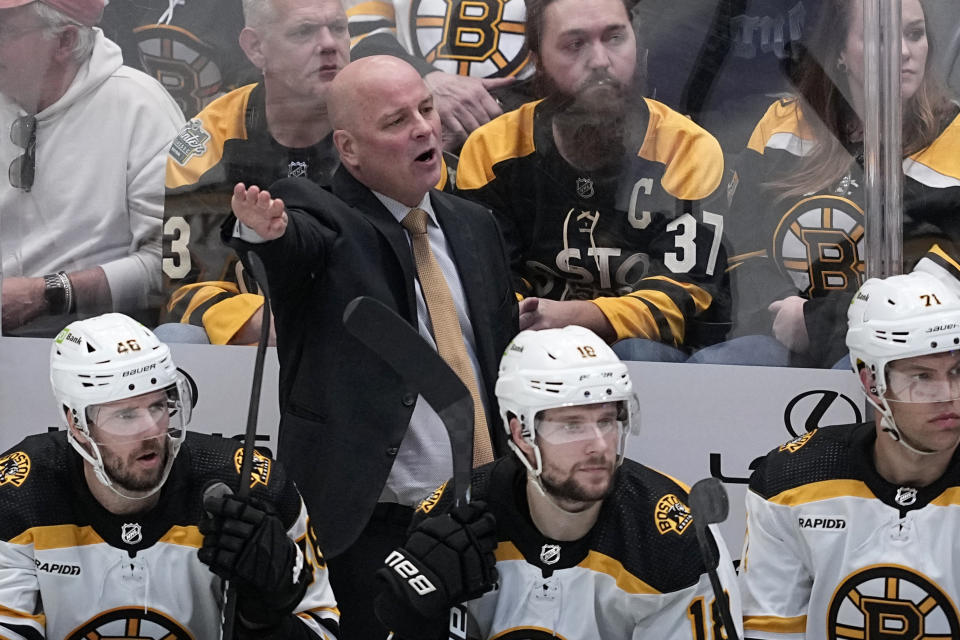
899	317
108	358
564	367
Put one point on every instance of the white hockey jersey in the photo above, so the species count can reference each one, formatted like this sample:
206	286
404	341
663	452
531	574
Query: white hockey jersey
637	574
835	551
71	570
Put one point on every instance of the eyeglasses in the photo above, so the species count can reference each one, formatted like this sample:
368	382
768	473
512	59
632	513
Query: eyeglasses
23	133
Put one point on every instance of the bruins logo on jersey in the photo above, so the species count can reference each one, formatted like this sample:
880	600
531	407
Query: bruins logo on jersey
794	445
891	601
481	38
672	515
182	63
431	501
261	467
819	243
14	468
131	623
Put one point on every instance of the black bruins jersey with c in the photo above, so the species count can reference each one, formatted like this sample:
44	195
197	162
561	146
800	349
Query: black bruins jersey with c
71	570
637	574
190	46
633	239
228	142
835	551
812	245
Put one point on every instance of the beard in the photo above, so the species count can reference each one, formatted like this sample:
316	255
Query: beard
592	122
569	490
122	473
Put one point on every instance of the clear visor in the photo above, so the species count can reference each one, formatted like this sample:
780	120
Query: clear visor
578	423
151	415
922	384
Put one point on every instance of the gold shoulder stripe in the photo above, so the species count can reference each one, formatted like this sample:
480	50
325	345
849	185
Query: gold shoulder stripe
783	117
372	8
680	483
508	136
221	120
691	156
945	257
183	536
7	612
775	624
58	536
948	498
940	159
507	551
626	581
823	490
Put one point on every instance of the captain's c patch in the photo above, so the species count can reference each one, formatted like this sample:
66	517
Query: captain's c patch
14	468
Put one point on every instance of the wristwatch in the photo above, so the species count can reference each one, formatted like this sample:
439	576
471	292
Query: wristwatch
58	292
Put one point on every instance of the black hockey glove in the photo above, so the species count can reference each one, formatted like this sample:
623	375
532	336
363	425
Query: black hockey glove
448	559
244	541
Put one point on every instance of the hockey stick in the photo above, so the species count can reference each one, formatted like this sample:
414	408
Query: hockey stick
397	343
250	436
709	504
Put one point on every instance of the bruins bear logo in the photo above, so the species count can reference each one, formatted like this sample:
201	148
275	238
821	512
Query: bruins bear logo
14	468
261	467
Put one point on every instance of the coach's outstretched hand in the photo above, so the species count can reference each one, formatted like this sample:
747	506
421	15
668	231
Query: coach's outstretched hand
448	559
245	542
255	208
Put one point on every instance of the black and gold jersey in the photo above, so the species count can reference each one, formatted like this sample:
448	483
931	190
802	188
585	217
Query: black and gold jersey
812	245
69	569
228	142
190	46
480	38
835	551
633	238
638	573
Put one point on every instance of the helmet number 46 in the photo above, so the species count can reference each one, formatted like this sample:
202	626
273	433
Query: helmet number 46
127	345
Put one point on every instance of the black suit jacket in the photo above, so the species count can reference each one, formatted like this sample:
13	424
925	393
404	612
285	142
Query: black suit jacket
344	412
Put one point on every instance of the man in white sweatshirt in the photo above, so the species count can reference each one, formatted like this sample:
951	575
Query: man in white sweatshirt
85	140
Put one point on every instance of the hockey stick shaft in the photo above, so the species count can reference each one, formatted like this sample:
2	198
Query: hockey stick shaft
709	504
250	435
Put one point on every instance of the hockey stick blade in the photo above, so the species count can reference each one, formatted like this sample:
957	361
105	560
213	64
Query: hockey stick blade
709	505
399	345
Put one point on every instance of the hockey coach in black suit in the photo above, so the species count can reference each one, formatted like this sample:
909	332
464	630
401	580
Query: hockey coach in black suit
362	447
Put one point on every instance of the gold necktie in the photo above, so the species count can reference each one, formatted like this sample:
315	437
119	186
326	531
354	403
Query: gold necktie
446	327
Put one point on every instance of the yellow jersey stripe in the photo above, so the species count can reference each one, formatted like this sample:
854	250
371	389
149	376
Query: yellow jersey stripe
823	490
59	536
508	136
775	624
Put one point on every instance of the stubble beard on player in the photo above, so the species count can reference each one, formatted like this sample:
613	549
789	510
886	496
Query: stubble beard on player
591	121
574	495
120	471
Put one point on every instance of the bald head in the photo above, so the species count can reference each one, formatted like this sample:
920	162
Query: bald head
386	128
360	83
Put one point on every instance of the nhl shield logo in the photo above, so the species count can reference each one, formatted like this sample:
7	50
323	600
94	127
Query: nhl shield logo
131	533
906	496
550	553
297	170
585	187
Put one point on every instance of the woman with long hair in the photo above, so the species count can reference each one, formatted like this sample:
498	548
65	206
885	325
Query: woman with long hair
796	219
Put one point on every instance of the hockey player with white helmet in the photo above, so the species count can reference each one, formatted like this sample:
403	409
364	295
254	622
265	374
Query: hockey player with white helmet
847	526
566	538
124	539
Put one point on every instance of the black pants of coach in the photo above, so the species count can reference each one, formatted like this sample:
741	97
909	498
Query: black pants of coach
352	572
